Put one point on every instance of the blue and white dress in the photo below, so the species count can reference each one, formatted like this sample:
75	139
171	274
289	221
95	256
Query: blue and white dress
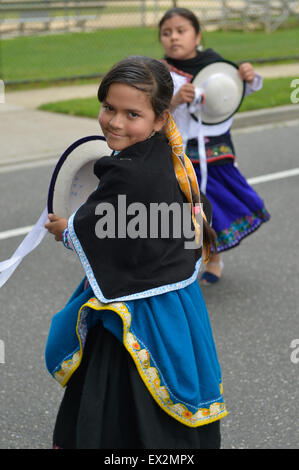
138	365
168	336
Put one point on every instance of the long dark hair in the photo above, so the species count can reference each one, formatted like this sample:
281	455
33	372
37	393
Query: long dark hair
209	240
144	73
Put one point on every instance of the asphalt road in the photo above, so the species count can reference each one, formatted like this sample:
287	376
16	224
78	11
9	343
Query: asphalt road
254	309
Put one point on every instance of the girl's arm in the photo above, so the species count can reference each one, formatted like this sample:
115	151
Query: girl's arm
254	81
183	91
185	94
56	226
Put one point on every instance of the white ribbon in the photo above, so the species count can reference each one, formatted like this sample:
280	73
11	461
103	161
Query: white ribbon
194	107
30	242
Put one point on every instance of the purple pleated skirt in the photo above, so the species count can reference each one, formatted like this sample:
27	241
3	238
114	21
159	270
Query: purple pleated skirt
237	209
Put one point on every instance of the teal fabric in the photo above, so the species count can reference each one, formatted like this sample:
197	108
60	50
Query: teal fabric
173	327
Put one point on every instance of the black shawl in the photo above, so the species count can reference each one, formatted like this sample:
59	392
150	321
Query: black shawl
196	64
125	267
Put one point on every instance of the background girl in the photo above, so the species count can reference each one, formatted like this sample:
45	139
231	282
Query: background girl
237	208
134	345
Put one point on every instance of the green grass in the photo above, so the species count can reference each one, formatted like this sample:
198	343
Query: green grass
239	46
73	54
49	83
66	55
275	92
87	107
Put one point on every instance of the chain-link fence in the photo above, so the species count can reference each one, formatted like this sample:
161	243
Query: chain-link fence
19	17
51	39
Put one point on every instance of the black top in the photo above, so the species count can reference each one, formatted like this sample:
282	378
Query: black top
196	64
142	173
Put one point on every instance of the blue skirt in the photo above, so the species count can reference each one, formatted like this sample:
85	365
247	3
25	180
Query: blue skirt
237	208
168	337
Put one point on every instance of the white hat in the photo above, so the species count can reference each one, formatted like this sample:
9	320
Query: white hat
223	89
73	179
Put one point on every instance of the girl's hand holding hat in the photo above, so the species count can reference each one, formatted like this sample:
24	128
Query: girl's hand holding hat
56	226
185	94
246	72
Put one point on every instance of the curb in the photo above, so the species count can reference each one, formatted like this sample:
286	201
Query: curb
279	115
266	116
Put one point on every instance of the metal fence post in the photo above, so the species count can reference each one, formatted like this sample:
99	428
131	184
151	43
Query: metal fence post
156	11
224	16
143	13
267	16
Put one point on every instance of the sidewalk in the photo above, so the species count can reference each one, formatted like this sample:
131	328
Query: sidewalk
34	98
27	134
30	135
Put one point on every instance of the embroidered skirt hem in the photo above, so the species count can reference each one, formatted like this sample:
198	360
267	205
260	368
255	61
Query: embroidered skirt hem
237	208
107	406
167	338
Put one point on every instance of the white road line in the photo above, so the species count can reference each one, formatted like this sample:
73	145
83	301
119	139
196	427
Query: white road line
264	127
27	165
273	176
15	232
255	180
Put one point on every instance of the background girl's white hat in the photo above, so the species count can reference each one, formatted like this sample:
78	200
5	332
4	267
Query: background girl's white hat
223	89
